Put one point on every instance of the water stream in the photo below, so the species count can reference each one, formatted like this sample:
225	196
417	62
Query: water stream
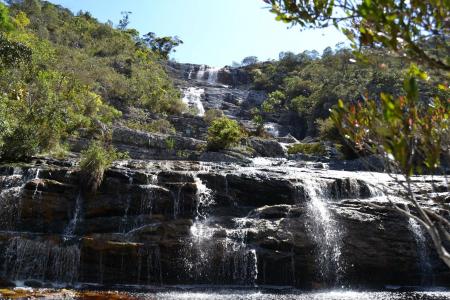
192	96
324	230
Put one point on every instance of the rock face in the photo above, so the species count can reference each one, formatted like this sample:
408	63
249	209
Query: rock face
229	89
164	223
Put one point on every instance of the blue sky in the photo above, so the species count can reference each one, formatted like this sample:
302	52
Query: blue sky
215	32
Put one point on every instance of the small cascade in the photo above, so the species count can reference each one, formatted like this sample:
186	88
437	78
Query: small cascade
192	96
272	129
201	72
11	196
177	198
190	71
426	270
124	222
324	230
239	261
10	208
201	233
226	259
69	231
149	266
28	259
213	74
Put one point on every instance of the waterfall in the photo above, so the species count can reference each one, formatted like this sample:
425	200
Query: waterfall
71	227
324	230
124	223
213	74
191	70
177	197
239	261
192	96
150	257
201	232
424	264
28	259
217	254
10	208
11	196
272	129
201	72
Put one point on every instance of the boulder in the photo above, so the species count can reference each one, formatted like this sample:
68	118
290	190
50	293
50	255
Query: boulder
266	147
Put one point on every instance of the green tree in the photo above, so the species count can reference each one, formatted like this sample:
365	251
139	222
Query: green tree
250	60
6	23
162	45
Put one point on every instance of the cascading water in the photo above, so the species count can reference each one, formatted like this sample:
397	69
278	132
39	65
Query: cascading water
225	258
422	252
424	263
239	261
71	227
201	72
28	259
272	129
192	96
213	74
324	230
11	193
201	232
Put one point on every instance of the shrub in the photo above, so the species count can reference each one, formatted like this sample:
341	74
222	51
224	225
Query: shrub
224	133
274	100
329	132
309	149
170	143
212	114
20	145
93	163
156	126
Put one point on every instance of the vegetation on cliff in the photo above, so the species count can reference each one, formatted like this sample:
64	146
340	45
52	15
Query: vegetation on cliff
62	72
224	133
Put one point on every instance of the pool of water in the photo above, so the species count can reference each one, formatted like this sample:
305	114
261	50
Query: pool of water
27	293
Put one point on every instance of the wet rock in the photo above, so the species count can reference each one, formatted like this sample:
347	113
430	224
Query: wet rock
138	228
267	148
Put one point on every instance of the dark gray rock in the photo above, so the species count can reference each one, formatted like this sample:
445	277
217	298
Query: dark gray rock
138	229
266	147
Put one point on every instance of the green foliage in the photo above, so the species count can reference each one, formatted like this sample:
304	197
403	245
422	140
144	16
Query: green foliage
258	120
6	23
311	87
328	131
154	126
13	53
170	143
161	45
402	26
94	162
112	62
250	60
224	133
43	108
20	144
274	100
310	149
57	70
411	133
212	114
